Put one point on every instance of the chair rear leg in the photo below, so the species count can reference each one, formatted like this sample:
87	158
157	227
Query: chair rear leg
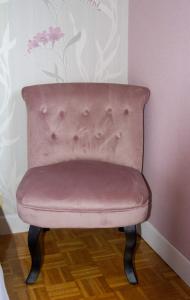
121	229
35	252
131	236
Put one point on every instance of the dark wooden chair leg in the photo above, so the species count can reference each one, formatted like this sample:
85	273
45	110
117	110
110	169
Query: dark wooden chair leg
121	229
35	252
131	236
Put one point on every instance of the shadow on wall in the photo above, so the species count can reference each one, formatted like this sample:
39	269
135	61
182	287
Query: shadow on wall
178	191
4	239
12	248
9	257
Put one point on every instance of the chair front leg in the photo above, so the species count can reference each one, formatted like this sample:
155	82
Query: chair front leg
35	252
131	236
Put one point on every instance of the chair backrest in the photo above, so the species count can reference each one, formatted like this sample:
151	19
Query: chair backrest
98	121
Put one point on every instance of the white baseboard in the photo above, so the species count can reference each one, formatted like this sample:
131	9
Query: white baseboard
177	261
12	224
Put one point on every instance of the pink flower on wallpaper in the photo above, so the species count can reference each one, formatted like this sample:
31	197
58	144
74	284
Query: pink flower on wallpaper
55	34
32	44
42	38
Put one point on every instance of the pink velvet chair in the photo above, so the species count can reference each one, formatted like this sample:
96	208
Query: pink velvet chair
85	149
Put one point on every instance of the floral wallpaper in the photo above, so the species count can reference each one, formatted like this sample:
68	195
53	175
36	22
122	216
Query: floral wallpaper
7	110
52	41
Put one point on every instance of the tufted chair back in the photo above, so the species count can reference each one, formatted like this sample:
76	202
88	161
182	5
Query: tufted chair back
94	121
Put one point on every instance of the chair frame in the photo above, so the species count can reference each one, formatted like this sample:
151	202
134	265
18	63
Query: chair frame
37	255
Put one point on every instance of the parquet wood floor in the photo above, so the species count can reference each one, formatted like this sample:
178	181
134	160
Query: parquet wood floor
87	265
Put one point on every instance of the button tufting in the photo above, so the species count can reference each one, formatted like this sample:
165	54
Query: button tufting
109	110
99	135
118	135
53	136
126	111
76	138
62	114
86	113
43	110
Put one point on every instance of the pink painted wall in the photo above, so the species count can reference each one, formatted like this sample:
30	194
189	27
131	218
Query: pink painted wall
159	57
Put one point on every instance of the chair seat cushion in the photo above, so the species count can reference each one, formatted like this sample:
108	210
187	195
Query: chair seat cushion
82	189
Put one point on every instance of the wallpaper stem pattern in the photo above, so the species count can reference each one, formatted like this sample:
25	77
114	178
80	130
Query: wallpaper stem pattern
8	176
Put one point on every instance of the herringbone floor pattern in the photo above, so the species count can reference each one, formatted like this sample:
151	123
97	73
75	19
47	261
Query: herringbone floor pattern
87	265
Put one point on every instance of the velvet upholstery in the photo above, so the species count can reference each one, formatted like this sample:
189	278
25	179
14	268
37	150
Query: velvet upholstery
83	187
85	121
85	148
